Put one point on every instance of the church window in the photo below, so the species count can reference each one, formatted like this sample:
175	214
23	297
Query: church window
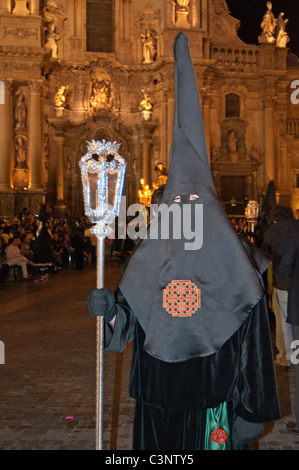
232	105
100	25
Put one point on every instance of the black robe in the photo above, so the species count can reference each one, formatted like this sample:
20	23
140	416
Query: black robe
175	401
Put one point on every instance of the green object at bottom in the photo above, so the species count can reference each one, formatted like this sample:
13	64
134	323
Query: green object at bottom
217	435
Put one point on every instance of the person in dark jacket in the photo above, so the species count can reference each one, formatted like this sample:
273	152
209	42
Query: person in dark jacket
282	220
289	267
42	258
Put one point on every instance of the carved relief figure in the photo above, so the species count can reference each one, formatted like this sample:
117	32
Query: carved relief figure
101	94
220	6
268	26
255	156
20	112
282	37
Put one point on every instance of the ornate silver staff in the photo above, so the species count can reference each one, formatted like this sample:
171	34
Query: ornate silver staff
102	171
251	214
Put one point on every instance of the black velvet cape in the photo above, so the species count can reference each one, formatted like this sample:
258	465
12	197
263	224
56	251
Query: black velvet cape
176	396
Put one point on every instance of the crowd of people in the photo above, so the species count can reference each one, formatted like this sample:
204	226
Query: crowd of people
33	247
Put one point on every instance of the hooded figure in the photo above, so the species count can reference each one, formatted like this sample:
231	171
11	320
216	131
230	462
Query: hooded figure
202	367
214	274
42	259
264	220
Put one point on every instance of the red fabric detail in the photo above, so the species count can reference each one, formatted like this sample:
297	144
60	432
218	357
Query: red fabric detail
181	298
219	436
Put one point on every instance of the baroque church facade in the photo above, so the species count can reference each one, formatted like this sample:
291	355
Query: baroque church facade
79	70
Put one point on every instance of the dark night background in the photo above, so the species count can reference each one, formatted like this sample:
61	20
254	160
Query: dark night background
251	12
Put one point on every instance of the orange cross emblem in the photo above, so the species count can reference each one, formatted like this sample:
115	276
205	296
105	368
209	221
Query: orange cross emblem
181	298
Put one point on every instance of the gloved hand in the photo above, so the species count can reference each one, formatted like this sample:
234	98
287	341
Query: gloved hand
101	302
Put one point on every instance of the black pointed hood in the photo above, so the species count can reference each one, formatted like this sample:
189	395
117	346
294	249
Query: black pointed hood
189	162
264	220
270	199
190	296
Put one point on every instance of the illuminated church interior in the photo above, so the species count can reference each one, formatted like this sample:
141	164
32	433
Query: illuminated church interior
79	70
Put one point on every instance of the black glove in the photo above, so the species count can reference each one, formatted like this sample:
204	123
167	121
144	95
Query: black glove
101	302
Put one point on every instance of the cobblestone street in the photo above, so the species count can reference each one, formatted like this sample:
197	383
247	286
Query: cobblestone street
48	381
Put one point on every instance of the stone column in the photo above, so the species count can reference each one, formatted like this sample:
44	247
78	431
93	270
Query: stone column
60	206
5	6
20	8
269	140
5	138
146	161
195	14
145	130
35	151
34	7
60	125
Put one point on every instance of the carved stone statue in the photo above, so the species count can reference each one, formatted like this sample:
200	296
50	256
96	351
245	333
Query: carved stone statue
21	152
268	26
20	112
59	99
232	146
145	105
282	37
183	5
52	39
53	19
161	175
180	13
149	47
146	102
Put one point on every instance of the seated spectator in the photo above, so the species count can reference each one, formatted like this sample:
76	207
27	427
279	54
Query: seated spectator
25	246
57	249
1	239
78	245
7	234
87	250
14	257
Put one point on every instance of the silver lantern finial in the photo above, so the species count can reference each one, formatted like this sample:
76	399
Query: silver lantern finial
102	171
